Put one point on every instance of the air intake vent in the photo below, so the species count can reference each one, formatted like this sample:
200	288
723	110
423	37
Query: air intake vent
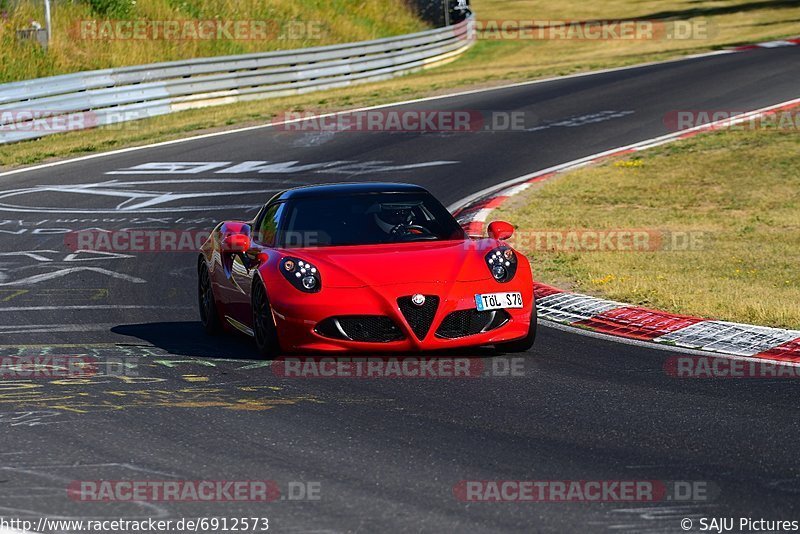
419	318
361	328
465	323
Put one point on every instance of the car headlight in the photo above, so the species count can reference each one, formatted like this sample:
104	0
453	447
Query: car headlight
301	274
502	263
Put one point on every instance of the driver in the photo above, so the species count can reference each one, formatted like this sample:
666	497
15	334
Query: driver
392	217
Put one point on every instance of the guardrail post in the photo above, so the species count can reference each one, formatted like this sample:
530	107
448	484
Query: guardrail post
47	20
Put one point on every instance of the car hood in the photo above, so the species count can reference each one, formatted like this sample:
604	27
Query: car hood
403	263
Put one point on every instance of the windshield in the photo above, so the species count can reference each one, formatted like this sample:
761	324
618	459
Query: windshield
367	219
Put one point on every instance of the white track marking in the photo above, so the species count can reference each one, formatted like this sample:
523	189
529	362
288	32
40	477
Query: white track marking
44	277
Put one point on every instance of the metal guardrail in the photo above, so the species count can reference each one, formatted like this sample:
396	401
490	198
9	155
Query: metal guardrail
34	108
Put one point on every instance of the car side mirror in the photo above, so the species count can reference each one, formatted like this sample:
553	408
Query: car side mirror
500	230
235	238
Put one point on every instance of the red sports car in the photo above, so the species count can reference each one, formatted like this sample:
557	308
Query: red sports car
364	267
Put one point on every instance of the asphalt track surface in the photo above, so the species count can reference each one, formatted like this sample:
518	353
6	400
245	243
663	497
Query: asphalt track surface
386	453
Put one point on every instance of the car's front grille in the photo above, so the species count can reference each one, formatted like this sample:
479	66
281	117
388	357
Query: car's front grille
420	318
464	323
361	328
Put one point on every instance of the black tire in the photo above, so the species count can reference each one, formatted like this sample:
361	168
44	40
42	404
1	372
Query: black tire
206	301
264	330
526	343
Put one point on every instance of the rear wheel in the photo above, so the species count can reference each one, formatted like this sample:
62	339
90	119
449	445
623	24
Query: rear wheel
525	344
264	330
207	304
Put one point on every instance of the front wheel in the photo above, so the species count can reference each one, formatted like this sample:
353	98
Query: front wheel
264	330
207	304
526	343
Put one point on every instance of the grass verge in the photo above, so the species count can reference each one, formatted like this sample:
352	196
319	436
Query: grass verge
488	63
87	34
738	191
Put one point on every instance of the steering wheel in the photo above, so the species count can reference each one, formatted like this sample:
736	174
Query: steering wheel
410	232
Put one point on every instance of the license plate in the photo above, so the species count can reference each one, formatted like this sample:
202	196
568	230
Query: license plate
498	301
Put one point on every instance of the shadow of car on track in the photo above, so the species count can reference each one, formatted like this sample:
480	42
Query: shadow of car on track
188	338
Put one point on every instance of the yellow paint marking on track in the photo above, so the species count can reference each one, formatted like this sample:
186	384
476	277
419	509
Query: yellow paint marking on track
195	378
100	294
111	393
13	294
258	388
73	382
115	400
14	385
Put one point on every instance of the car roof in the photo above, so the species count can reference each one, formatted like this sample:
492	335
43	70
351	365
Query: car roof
347	189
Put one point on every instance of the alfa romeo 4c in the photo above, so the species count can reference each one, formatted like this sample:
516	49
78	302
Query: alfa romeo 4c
364	267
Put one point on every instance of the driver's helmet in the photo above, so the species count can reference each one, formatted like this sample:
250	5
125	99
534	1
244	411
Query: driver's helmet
390	215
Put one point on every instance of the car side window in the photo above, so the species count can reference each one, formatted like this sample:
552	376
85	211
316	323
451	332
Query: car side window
268	225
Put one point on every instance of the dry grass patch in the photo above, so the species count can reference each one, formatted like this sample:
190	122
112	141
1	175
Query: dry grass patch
326	22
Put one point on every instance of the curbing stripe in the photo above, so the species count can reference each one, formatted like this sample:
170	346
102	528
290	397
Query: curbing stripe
769	44
730	338
543	290
638	323
787	352
573	308
628	321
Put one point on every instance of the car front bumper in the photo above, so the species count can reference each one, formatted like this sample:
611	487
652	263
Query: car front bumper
298	315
